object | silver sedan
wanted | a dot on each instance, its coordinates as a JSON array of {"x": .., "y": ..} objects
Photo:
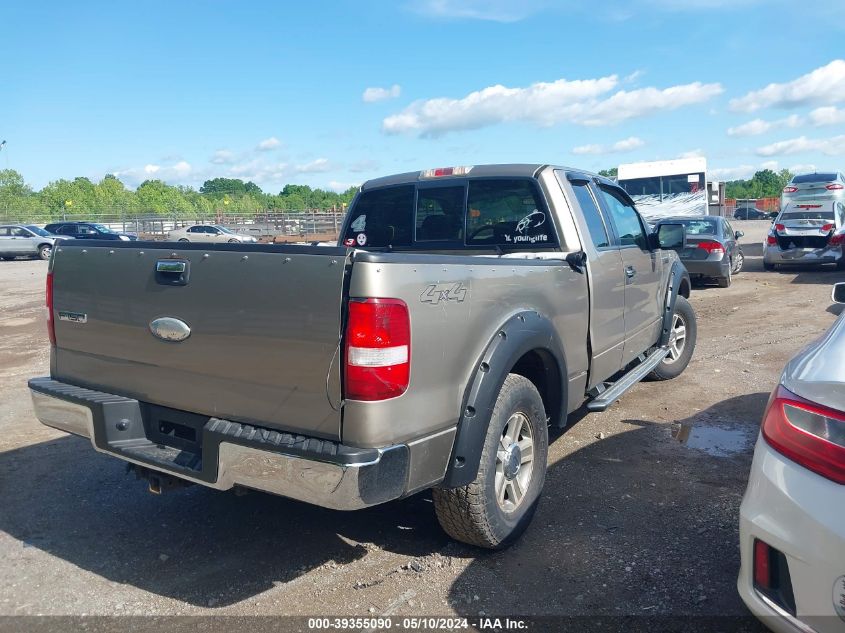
[{"x": 209, "y": 233}]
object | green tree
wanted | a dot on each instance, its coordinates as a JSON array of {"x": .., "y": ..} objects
[{"x": 609, "y": 173}]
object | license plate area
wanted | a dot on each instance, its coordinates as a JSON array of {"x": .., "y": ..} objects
[{"x": 176, "y": 429}]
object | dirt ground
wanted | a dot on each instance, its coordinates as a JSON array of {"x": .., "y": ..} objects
[{"x": 639, "y": 515}]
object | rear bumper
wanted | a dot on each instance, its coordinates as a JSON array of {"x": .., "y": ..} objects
[
  {"x": 228, "y": 454},
  {"x": 706, "y": 267},
  {"x": 802, "y": 515},
  {"x": 773, "y": 254}
]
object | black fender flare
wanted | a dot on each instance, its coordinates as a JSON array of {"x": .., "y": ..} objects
[
  {"x": 523, "y": 332},
  {"x": 678, "y": 279}
]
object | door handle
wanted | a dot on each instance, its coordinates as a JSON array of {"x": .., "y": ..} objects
[{"x": 630, "y": 272}]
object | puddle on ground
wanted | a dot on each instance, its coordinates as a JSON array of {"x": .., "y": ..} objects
[{"x": 713, "y": 440}]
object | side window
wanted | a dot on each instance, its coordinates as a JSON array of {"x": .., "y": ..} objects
[
  {"x": 507, "y": 212},
  {"x": 625, "y": 218},
  {"x": 20, "y": 233},
  {"x": 381, "y": 217},
  {"x": 83, "y": 229},
  {"x": 595, "y": 223},
  {"x": 194, "y": 229},
  {"x": 440, "y": 214},
  {"x": 4, "y": 232}
]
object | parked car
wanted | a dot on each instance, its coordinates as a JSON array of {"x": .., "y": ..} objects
[
  {"x": 88, "y": 231},
  {"x": 25, "y": 240},
  {"x": 750, "y": 213},
  {"x": 792, "y": 517},
  {"x": 816, "y": 187},
  {"x": 472, "y": 306},
  {"x": 807, "y": 233},
  {"x": 208, "y": 233},
  {"x": 711, "y": 249}
]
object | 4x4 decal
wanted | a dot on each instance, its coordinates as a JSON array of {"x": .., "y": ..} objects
[{"x": 435, "y": 293}]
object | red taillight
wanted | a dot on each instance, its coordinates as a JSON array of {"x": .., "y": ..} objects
[
  {"x": 711, "y": 247},
  {"x": 808, "y": 434},
  {"x": 762, "y": 568},
  {"x": 833, "y": 186},
  {"x": 378, "y": 349},
  {"x": 51, "y": 328},
  {"x": 828, "y": 227},
  {"x": 837, "y": 239},
  {"x": 790, "y": 189},
  {"x": 771, "y": 240},
  {"x": 780, "y": 227}
]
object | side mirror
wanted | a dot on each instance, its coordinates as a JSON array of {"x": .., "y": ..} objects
[
  {"x": 738, "y": 235},
  {"x": 671, "y": 236},
  {"x": 838, "y": 293}
]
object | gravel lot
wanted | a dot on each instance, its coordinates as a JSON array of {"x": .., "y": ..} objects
[{"x": 634, "y": 521}]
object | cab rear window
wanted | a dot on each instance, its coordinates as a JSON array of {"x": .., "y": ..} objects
[{"x": 508, "y": 213}]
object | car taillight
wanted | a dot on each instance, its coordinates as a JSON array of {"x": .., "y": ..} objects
[
  {"x": 378, "y": 349},
  {"x": 837, "y": 239},
  {"x": 762, "y": 568},
  {"x": 807, "y": 433},
  {"x": 711, "y": 247},
  {"x": 790, "y": 189},
  {"x": 780, "y": 227},
  {"x": 828, "y": 227},
  {"x": 833, "y": 186},
  {"x": 771, "y": 239},
  {"x": 51, "y": 328}
]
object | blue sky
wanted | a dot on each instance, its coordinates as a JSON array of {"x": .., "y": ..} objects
[{"x": 333, "y": 93}]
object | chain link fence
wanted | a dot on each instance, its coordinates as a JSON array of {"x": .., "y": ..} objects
[{"x": 307, "y": 224}]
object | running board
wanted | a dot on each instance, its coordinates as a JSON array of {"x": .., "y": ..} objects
[{"x": 615, "y": 391}]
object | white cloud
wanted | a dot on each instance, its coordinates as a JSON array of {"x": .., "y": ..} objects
[
  {"x": 222, "y": 157},
  {"x": 741, "y": 172},
  {"x": 759, "y": 126},
  {"x": 372, "y": 95},
  {"x": 827, "y": 115},
  {"x": 693, "y": 153},
  {"x": 577, "y": 101},
  {"x": 366, "y": 164},
  {"x": 314, "y": 167},
  {"x": 803, "y": 168},
  {"x": 268, "y": 144},
  {"x": 625, "y": 145},
  {"x": 831, "y": 146},
  {"x": 824, "y": 85},
  {"x": 339, "y": 187},
  {"x": 492, "y": 10},
  {"x": 177, "y": 172}
]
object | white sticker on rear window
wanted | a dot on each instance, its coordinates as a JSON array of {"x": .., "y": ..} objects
[
  {"x": 361, "y": 238},
  {"x": 359, "y": 224}
]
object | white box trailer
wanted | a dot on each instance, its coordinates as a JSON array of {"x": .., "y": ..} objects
[{"x": 667, "y": 187}]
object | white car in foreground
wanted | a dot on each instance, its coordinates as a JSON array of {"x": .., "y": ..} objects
[
  {"x": 208, "y": 233},
  {"x": 792, "y": 518}
]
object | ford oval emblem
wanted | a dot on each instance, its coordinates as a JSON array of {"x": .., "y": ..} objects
[{"x": 170, "y": 329}]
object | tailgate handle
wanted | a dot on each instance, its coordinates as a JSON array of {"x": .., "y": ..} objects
[
  {"x": 172, "y": 272},
  {"x": 170, "y": 266}
]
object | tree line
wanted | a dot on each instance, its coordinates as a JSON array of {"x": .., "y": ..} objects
[{"x": 82, "y": 197}]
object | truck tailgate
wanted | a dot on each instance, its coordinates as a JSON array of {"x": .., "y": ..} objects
[{"x": 265, "y": 324}]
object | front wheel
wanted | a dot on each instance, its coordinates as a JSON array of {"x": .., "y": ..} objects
[
  {"x": 44, "y": 251},
  {"x": 682, "y": 337},
  {"x": 496, "y": 508},
  {"x": 183, "y": 239}
]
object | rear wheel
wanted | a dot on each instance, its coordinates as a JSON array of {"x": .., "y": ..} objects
[
  {"x": 495, "y": 509},
  {"x": 682, "y": 338},
  {"x": 725, "y": 282},
  {"x": 183, "y": 239},
  {"x": 233, "y": 241}
]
